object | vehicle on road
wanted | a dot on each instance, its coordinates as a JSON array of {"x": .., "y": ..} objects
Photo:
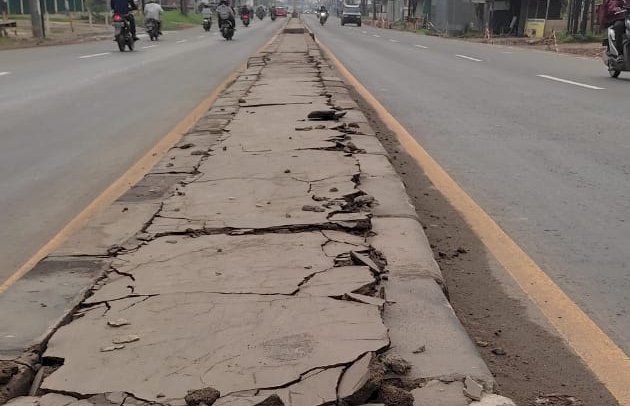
[
  {"x": 323, "y": 16},
  {"x": 152, "y": 28},
  {"x": 351, "y": 14},
  {"x": 227, "y": 29},
  {"x": 245, "y": 19},
  {"x": 122, "y": 33},
  {"x": 281, "y": 11},
  {"x": 260, "y": 12},
  {"x": 207, "y": 23},
  {"x": 618, "y": 62}
]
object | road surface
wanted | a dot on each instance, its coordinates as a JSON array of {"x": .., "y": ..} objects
[
  {"x": 74, "y": 118},
  {"x": 539, "y": 140}
]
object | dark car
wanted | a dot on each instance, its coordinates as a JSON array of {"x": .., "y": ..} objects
[{"x": 351, "y": 15}]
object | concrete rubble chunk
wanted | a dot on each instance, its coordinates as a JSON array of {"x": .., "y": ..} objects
[
  {"x": 257, "y": 342},
  {"x": 56, "y": 399},
  {"x": 439, "y": 393},
  {"x": 366, "y": 260},
  {"x": 472, "y": 388},
  {"x": 24, "y": 401},
  {"x": 338, "y": 281},
  {"x": 394, "y": 396},
  {"x": 205, "y": 396},
  {"x": 360, "y": 380},
  {"x": 273, "y": 400},
  {"x": 395, "y": 363},
  {"x": 376, "y": 301},
  {"x": 493, "y": 400},
  {"x": 318, "y": 387},
  {"x": 117, "y": 398}
]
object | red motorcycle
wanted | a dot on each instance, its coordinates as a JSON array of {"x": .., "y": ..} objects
[{"x": 245, "y": 19}]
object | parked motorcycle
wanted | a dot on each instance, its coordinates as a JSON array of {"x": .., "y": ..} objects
[
  {"x": 227, "y": 30},
  {"x": 323, "y": 16},
  {"x": 245, "y": 19},
  {"x": 122, "y": 33},
  {"x": 615, "y": 61},
  {"x": 152, "y": 27},
  {"x": 207, "y": 23}
]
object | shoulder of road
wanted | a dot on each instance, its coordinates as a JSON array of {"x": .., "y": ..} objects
[{"x": 272, "y": 256}]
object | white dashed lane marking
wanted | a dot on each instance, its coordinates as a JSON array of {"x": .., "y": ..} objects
[
  {"x": 570, "y": 82},
  {"x": 470, "y": 58},
  {"x": 94, "y": 55}
]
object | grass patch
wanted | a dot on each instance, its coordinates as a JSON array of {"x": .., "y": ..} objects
[
  {"x": 566, "y": 38},
  {"x": 174, "y": 20}
]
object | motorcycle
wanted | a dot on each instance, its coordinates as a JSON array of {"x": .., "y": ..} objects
[
  {"x": 152, "y": 29},
  {"x": 122, "y": 33},
  {"x": 207, "y": 23},
  {"x": 323, "y": 16},
  {"x": 273, "y": 16},
  {"x": 227, "y": 30},
  {"x": 260, "y": 13},
  {"x": 245, "y": 19},
  {"x": 618, "y": 63}
]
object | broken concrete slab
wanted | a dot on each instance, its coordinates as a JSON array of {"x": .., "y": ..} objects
[
  {"x": 260, "y": 264},
  {"x": 439, "y": 393},
  {"x": 44, "y": 296},
  {"x": 406, "y": 248},
  {"x": 376, "y": 301},
  {"x": 493, "y": 400},
  {"x": 338, "y": 281},
  {"x": 304, "y": 166},
  {"x": 360, "y": 380},
  {"x": 57, "y": 399},
  {"x": 415, "y": 303},
  {"x": 318, "y": 387},
  {"x": 257, "y": 341},
  {"x": 242, "y": 203},
  {"x": 472, "y": 388},
  {"x": 112, "y": 226},
  {"x": 375, "y": 165}
]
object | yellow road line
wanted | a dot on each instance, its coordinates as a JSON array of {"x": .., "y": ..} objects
[
  {"x": 607, "y": 361},
  {"x": 132, "y": 176}
]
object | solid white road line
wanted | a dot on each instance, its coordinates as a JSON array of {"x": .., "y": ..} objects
[
  {"x": 4, "y": 73},
  {"x": 470, "y": 58},
  {"x": 94, "y": 55},
  {"x": 570, "y": 82},
  {"x": 420, "y": 46},
  {"x": 181, "y": 41}
]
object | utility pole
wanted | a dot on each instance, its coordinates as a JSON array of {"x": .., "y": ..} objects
[{"x": 36, "y": 18}]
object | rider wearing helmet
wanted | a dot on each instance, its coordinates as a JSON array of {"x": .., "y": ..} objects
[
  {"x": 153, "y": 11},
  {"x": 225, "y": 12},
  {"x": 124, "y": 9}
]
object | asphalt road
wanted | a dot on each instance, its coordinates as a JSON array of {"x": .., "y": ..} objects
[
  {"x": 539, "y": 140},
  {"x": 74, "y": 118}
]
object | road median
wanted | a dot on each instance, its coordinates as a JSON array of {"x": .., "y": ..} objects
[{"x": 272, "y": 257}]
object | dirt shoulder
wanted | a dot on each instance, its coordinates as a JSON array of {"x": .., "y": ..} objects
[{"x": 587, "y": 49}]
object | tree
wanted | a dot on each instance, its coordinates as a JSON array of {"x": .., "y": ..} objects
[{"x": 183, "y": 5}]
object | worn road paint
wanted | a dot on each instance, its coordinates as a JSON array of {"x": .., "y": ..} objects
[
  {"x": 570, "y": 82},
  {"x": 420, "y": 46},
  {"x": 132, "y": 176},
  {"x": 376, "y": 36},
  {"x": 470, "y": 58},
  {"x": 393, "y": 40},
  {"x": 149, "y": 46},
  {"x": 598, "y": 351},
  {"x": 181, "y": 41},
  {"x": 4, "y": 73},
  {"x": 94, "y": 55}
]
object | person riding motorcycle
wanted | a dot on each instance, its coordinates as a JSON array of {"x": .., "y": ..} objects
[
  {"x": 206, "y": 11},
  {"x": 124, "y": 8},
  {"x": 244, "y": 11},
  {"x": 154, "y": 11},
  {"x": 323, "y": 10},
  {"x": 225, "y": 12},
  {"x": 615, "y": 17}
]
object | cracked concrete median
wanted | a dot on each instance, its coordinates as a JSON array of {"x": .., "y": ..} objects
[{"x": 268, "y": 259}]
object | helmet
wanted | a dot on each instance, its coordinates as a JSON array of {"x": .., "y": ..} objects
[{"x": 223, "y": 2}]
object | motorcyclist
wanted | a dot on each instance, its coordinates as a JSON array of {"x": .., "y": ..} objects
[
  {"x": 322, "y": 10},
  {"x": 225, "y": 12},
  {"x": 154, "y": 11},
  {"x": 125, "y": 8},
  {"x": 206, "y": 11},
  {"x": 615, "y": 17},
  {"x": 244, "y": 12}
]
